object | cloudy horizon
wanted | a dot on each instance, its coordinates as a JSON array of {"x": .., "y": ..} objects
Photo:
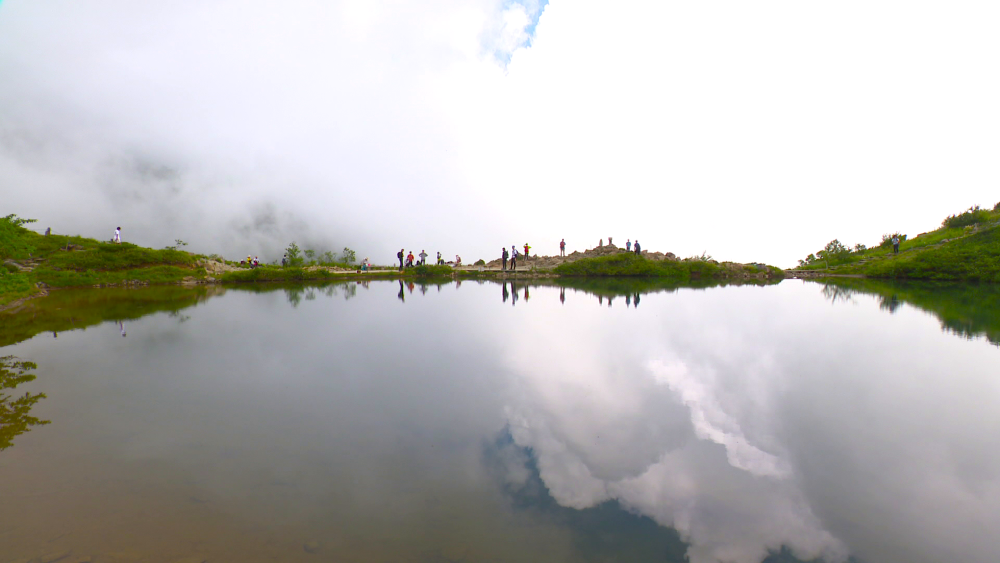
[{"x": 750, "y": 132}]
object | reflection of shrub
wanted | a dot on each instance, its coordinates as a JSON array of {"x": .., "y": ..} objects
[
  {"x": 972, "y": 216},
  {"x": 14, "y": 418},
  {"x": 423, "y": 271}
]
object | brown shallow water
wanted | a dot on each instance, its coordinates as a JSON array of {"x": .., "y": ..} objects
[{"x": 446, "y": 424}]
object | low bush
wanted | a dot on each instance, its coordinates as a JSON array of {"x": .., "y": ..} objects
[
  {"x": 972, "y": 216},
  {"x": 14, "y": 238},
  {"x": 431, "y": 270}
]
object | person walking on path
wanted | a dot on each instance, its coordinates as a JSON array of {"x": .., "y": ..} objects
[
  {"x": 895, "y": 244},
  {"x": 513, "y": 257},
  {"x": 628, "y": 245},
  {"x": 423, "y": 257},
  {"x": 118, "y": 236},
  {"x": 526, "y": 249},
  {"x": 636, "y": 246},
  {"x": 400, "y": 256},
  {"x": 503, "y": 258},
  {"x": 562, "y": 247}
]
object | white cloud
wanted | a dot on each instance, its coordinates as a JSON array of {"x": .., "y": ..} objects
[{"x": 755, "y": 132}]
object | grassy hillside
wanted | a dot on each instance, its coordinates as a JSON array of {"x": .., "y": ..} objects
[
  {"x": 965, "y": 248},
  {"x": 30, "y": 259}
]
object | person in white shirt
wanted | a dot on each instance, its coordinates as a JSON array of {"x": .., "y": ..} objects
[{"x": 118, "y": 236}]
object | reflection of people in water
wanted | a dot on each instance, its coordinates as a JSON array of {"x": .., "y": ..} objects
[
  {"x": 505, "y": 294},
  {"x": 628, "y": 300},
  {"x": 600, "y": 299},
  {"x": 402, "y": 294},
  {"x": 513, "y": 294},
  {"x": 562, "y": 295},
  {"x": 635, "y": 300},
  {"x": 458, "y": 284},
  {"x": 122, "y": 326},
  {"x": 423, "y": 289},
  {"x": 609, "y": 301},
  {"x": 526, "y": 296},
  {"x": 410, "y": 286}
]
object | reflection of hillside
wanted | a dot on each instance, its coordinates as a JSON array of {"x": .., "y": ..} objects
[
  {"x": 14, "y": 417},
  {"x": 71, "y": 309},
  {"x": 610, "y": 287},
  {"x": 966, "y": 309}
]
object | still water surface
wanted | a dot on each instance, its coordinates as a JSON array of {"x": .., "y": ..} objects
[{"x": 485, "y": 422}]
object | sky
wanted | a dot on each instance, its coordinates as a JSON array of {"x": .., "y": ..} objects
[{"x": 750, "y": 131}]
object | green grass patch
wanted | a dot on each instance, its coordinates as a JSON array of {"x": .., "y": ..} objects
[
  {"x": 275, "y": 274},
  {"x": 14, "y": 286},
  {"x": 123, "y": 256},
  {"x": 628, "y": 264}
]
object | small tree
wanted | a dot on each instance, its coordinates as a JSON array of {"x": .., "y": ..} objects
[
  {"x": 294, "y": 254},
  {"x": 347, "y": 256},
  {"x": 834, "y": 251},
  {"x": 328, "y": 257},
  {"x": 311, "y": 255}
]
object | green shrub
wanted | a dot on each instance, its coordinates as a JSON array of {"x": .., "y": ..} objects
[
  {"x": 14, "y": 285},
  {"x": 972, "y": 216},
  {"x": 431, "y": 270},
  {"x": 14, "y": 237}
]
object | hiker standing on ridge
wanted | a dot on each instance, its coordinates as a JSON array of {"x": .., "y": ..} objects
[
  {"x": 526, "y": 249},
  {"x": 628, "y": 245},
  {"x": 440, "y": 260},
  {"x": 503, "y": 259},
  {"x": 400, "y": 256},
  {"x": 118, "y": 236},
  {"x": 423, "y": 257},
  {"x": 895, "y": 244},
  {"x": 513, "y": 257},
  {"x": 636, "y": 246},
  {"x": 562, "y": 247}
]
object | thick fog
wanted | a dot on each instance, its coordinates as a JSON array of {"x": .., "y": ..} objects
[{"x": 750, "y": 132}]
